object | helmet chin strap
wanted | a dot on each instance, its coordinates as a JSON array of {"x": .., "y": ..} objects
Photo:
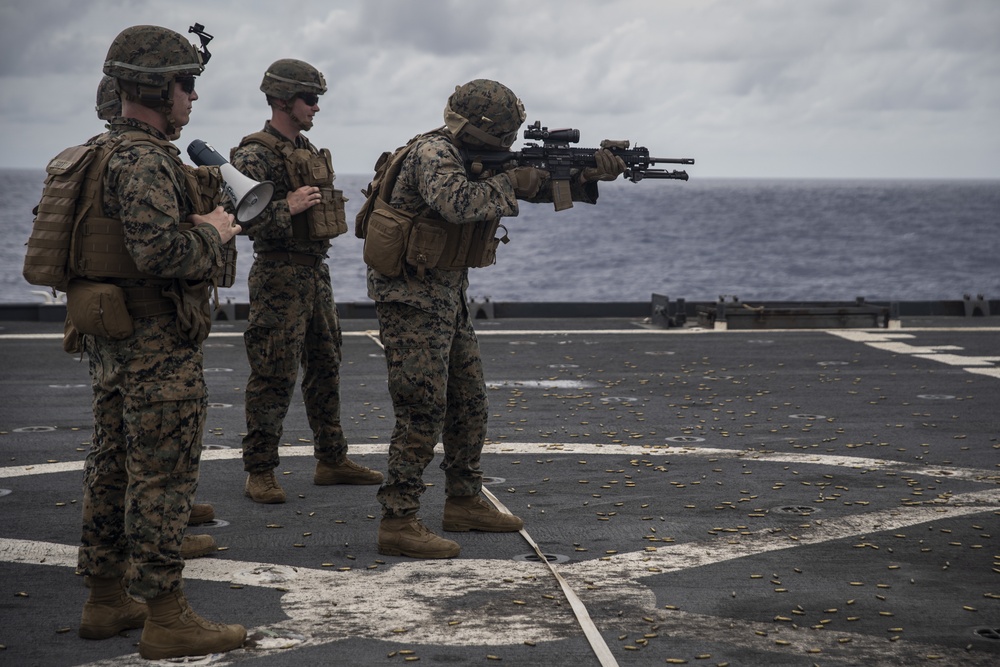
[
  {"x": 172, "y": 131},
  {"x": 303, "y": 124},
  {"x": 461, "y": 127}
]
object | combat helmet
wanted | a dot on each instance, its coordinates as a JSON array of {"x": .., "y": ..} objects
[
  {"x": 286, "y": 78},
  {"x": 109, "y": 104},
  {"x": 484, "y": 113},
  {"x": 145, "y": 60}
]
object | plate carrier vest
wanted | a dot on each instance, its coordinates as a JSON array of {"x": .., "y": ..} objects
[{"x": 431, "y": 242}]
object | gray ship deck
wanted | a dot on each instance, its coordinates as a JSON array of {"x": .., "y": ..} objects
[{"x": 744, "y": 498}]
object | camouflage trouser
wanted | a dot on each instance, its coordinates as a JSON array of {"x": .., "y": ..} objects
[
  {"x": 293, "y": 321},
  {"x": 142, "y": 470},
  {"x": 437, "y": 389}
]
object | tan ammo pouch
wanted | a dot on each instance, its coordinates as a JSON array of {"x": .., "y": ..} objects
[
  {"x": 326, "y": 219},
  {"x": 426, "y": 243},
  {"x": 98, "y": 309},
  {"x": 436, "y": 244},
  {"x": 386, "y": 240},
  {"x": 475, "y": 246}
]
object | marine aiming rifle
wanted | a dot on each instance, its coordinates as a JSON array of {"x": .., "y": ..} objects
[{"x": 556, "y": 156}]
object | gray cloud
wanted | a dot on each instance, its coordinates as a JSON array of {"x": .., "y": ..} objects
[{"x": 748, "y": 87}]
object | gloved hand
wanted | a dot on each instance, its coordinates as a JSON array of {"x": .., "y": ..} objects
[
  {"x": 526, "y": 181},
  {"x": 609, "y": 167}
]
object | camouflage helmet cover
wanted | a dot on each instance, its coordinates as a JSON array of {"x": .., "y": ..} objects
[
  {"x": 152, "y": 56},
  {"x": 484, "y": 112},
  {"x": 286, "y": 78},
  {"x": 109, "y": 104}
]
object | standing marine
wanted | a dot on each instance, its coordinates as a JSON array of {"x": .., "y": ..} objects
[
  {"x": 433, "y": 220},
  {"x": 109, "y": 107},
  {"x": 141, "y": 306},
  {"x": 293, "y": 319}
]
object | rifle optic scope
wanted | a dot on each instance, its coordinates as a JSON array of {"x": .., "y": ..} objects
[{"x": 537, "y": 132}]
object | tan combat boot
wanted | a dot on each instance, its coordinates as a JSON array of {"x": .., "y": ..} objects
[
  {"x": 407, "y": 536},
  {"x": 347, "y": 472},
  {"x": 262, "y": 487},
  {"x": 464, "y": 513},
  {"x": 196, "y": 546},
  {"x": 109, "y": 610},
  {"x": 201, "y": 513},
  {"x": 174, "y": 630}
]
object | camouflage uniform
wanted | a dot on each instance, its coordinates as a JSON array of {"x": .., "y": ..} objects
[
  {"x": 434, "y": 365},
  {"x": 138, "y": 489},
  {"x": 293, "y": 320}
]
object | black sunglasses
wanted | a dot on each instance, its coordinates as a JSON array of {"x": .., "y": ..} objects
[
  {"x": 187, "y": 83},
  {"x": 311, "y": 99}
]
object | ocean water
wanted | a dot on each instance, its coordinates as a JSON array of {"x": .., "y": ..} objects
[{"x": 799, "y": 240}]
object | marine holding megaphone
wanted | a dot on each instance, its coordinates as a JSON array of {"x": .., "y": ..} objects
[
  {"x": 139, "y": 297},
  {"x": 292, "y": 311}
]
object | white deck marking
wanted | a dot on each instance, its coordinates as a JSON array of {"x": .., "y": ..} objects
[
  {"x": 639, "y": 331},
  {"x": 415, "y": 596},
  {"x": 837, "y": 461},
  {"x": 413, "y": 601},
  {"x": 889, "y": 342}
]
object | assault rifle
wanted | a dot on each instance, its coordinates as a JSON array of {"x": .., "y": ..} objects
[{"x": 556, "y": 156}]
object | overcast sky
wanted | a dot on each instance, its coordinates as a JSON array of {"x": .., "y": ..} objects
[{"x": 749, "y": 88}]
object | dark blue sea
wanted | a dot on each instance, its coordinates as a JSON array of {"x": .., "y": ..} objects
[{"x": 799, "y": 240}]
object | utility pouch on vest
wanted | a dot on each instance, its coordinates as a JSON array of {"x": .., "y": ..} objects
[
  {"x": 326, "y": 219},
  {"x": 47, "y": 259},
  {"x": 385, "y": 242},
  {"x": 425, "y": 244},
  {"x": 98, "y": 309},
  {"x": 470, "y": 246},
  {"x": 489, "y": 244}
]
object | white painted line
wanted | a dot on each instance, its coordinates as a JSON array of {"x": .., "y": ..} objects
[
  {"x": 327, "y": 606},
  {"x": 888, "y": 343},
  {"x": 380, "y": 602},
  {"x": 636, "y": 451},
  {"x": 990, "y": 372},
  {"x": 850, "y": 334},
  {"x": 959, "y": 360},
  {"x": 541, "y": 384},
  {"x": 906, "y": 348},
  {"x": 594, "y": 637},
  {"x": 730, "y": 547}
]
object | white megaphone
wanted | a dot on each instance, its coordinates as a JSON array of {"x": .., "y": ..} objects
[{"x": 249, "y": 197}]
